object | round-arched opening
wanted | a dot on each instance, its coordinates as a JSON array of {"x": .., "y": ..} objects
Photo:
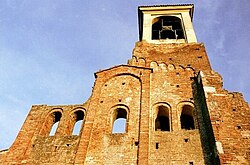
[
  {"x": 56, "y": 117},
  {"x": 162, "y": 122},
  {"x": 120, "y": 121},
  {"x": 167, "y": 27},
  {"x": 187, "y": 119},
  {"x": 79, "y": 116}
]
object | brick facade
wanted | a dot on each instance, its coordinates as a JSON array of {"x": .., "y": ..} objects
[{"x": 161, "y": 81}]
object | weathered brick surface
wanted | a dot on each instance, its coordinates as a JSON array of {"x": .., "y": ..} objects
[
  {"x": 161, "y": 81},
  {"x": 157, "y": 75},
  {"x": 229, "y": 115},
  {"x": 33, "y": 145}
]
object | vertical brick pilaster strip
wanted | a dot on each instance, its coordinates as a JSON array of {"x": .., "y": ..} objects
[
  {"x": 88, "y": 125},
  {"x": 144, "y": 120},
  {"x": 86, "y": 134}
]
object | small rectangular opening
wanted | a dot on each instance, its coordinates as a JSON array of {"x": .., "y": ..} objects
[
  {"x": 156, "y": 145},
  {"x": 191, "y": 163},
  {"x": 136, "y": 143}
]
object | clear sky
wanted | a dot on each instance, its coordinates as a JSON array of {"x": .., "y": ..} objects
[{"x": 50, "y": 49}]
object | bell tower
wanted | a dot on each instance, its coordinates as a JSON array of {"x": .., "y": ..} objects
[
  {"x": 166, "y": 24},
  {"x": 172, "y": 105}
]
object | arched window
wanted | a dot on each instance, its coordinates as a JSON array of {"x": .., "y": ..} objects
[
  {"x": 78, "y": 117},
  {"x": 120, "y": 121},
  {"x": 187, "y": 120},
  {"x": 162, "y": 122},
  {"x": 167, "y": 27},
  {"x": 54, "y": 122}
]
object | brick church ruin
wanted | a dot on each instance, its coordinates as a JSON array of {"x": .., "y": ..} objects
[{"x": 167, "y": 99}]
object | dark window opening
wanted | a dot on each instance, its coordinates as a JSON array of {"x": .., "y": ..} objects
[
  {"x": 191, "y": 163},
  {"x": 156, "y": 145},
  {"x": 167, "y": 27},
  {"x": 56, "y": 118},
  {"x": 120, "y": 121},
  {"x": 136, "y": 143},
  {"x": 187, "y": 120},
  {"x": 162, "y": 120},
  {"x": 79, "y": 116}
]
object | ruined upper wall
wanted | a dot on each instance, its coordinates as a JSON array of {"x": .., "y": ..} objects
[
  {"x": 229, "y": 116},
  {"x": 34, "y": 143}
]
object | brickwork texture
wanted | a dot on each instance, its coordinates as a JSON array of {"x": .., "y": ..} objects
[{"x": 174, "y": 111}]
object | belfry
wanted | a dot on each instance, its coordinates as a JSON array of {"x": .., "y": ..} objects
[{"x": 169, "y": 105}]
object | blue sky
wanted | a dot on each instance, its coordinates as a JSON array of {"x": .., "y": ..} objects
[{"x": 50, "y": 49}]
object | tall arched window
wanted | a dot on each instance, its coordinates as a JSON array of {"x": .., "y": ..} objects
[
  {"x": 167, "y": 27},
  {"x": 162, "y": 122},
  {"x": 187, "y": 119},
  {"x": 54, "y": 122},
  {"x": 119, "y": 121},
  {"x": 78, "y": 117}
]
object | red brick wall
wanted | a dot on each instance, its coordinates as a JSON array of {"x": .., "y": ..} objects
[{"x": 157, "y": 75}]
